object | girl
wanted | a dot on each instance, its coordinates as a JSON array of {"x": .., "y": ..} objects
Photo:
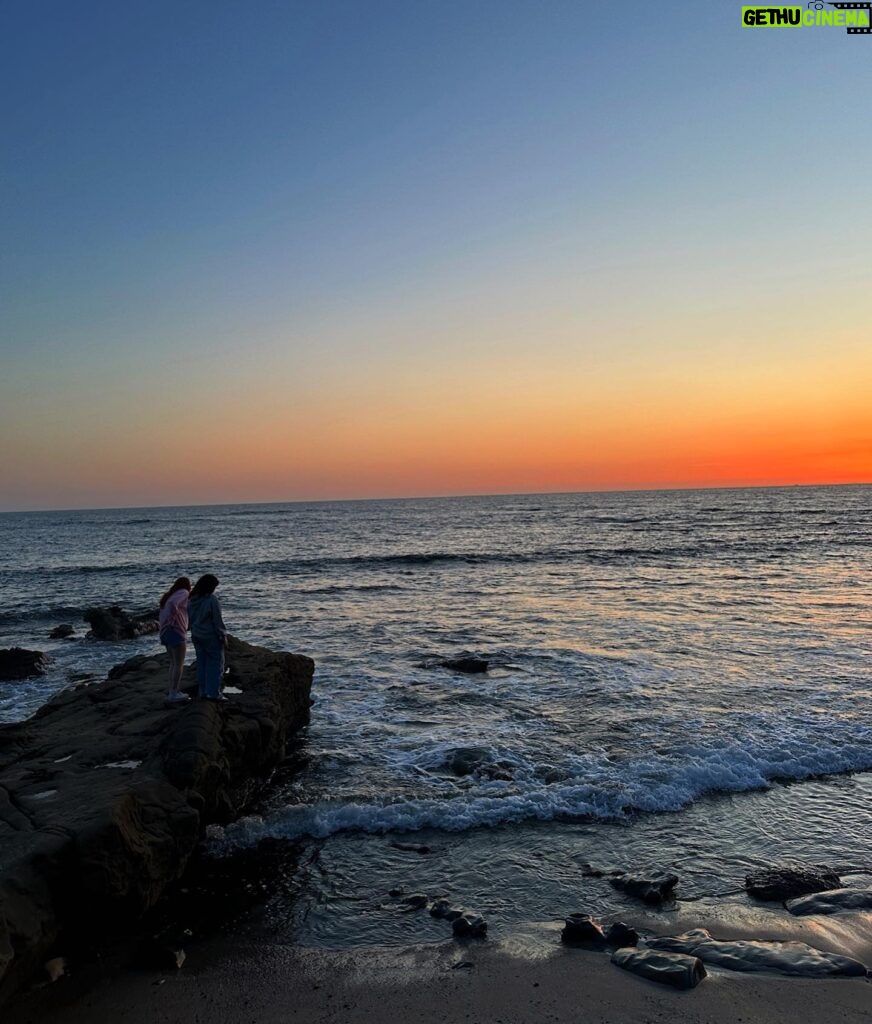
[
  {"x": 173, "y": 621},
  {"x": 209, "y": 636}
]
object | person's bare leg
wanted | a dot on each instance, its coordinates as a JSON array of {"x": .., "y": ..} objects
[{"x": 177, "y": 665}]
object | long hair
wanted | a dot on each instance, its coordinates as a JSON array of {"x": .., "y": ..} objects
[
  {"x": 182, "y": 583},
  {"x": 205, "y": 585}
]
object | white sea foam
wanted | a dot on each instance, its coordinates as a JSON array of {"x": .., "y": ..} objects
[{"x": 605, "y": 790}]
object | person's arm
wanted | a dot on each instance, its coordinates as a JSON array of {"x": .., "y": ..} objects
[{"x": 218, "y": 621}]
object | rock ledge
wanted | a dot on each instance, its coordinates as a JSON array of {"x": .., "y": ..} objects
[{"x": 105, "y": 792}]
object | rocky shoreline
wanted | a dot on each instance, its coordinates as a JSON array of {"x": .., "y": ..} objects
[{"x": 105, "y": 792}]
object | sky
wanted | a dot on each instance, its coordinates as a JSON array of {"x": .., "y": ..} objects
[{"x": 294, "y": 250}]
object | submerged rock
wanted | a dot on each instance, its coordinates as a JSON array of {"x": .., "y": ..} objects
[
  {"x": 583, "y": 929},
  {"x": 412, "y": 847},
  {"x": 417, "y": 901},
  {"x": 20, "y": 663},
  {"x": 61, "y": 632},
  {"x": 833, "y": 902},
  {"x": 793, "y": 958},
  {"x": 469, "y": 926},
  {"x": 676, "y": 969},
  {"x": 104, "y": 793},
  {"x": 470, "y": 665},
  {"x": 785, "y": 881},
  {"x": 466, "y": 760},
  {"x": 114, "y": 623},
  {"x": 650, "y": 888}
]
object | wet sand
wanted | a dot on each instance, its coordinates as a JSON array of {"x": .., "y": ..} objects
[{"x": 226, "y": 982}]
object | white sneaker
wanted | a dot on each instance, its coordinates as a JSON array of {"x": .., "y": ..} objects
[{"x": 177, "y": 698}]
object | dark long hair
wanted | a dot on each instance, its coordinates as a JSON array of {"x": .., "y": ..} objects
[
  {"x": 182, "y": 583},
  {"x": 205, "y": 585}
]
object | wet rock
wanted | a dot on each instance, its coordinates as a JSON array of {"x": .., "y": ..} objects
[
  {"x": 20, "y": 663},
  {"x": 466, "y": 760},
  {"x": 114, "y": 623},
  {"x": 469, "y": 926},
  {"x": 445, "y": 911},
  {"x": 589, "y": 871},
  {"x": 55, "y": 968},
  {"x": 650, "y": 888},
  {"x": 582, "y": 928},
  {"x": 620, "y": 935},
  {"x": 468, "y": 664},
  {"x": 786, "y": 881},
  {"x": 61, "y": 632},
  {"x": 413, "y": 847},
  {"x": 676, "y": 969},
  {"x": 86, "y": 842},
  {"x": 417, "y": 901},
  {"x": 833, "y": 902},
  {"x": 792, "y": 958}
]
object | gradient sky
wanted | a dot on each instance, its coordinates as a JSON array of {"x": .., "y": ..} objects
[{"x": 267, "y": 251}]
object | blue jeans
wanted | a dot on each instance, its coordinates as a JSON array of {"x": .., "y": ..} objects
[{"x": 210, "y": 666}]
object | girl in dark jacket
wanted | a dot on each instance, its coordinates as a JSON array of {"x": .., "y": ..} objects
[{"x": 209, "y": 636}]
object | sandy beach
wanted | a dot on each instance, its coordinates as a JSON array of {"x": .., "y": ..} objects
[{"x": 228, "y": 983}]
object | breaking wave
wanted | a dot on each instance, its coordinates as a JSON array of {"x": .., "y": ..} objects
[{"x": 608, "y": 789}]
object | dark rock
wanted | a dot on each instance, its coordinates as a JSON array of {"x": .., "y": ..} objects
[
  {"x": 650, "y": 888},
  {"x": 792, "y": 958},
  {"x": 417, "y": 901},
  {"x": 443, "y": 909},
  {"x": 470, "y": 665},
  {"x": 469, "y": 926},
  {"x": 675, "y": 969},
  {"x": 61, "y": 632},
  {"x": 20, "y": 663},
  {"x": 412, "y": 847},
  {"x": 620, "y": 935},
  {"x": 786, "y": 881},
  {"x": 589, "y": 871},
  {"x": 104, "y": 793},
  {"x": 833, "y": 902},
  {"x": 582, "y": 928},
  {"x": 114, "y": 623},
  {"x": 466, "y": 760}
]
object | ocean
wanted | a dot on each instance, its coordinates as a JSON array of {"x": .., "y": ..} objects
[{"x": 677, "y": 680}]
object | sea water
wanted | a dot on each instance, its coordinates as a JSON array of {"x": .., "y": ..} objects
[{"x": 677, "y": 680}]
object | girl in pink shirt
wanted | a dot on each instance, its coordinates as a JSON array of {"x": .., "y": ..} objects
[{"x": 173, "y": 621}]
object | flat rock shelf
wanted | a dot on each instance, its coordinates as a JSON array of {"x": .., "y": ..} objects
[{"x": 105, "y": 791}]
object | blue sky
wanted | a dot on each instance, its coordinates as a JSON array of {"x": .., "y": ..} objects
[{"x": 196, "y": 195}]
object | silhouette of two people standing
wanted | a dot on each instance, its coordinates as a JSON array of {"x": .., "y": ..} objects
[{"x": 198, "y": 609}]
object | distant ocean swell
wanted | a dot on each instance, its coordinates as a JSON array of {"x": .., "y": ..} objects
[{"x": 719, "y": 551}]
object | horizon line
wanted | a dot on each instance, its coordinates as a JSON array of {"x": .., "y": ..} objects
[{"x": 437, "y": 497}]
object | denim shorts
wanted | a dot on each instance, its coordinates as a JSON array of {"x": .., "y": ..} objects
[{"x": 170, "y": 637}]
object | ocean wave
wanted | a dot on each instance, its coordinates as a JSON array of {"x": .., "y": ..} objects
[
  {"x": 609, "y": 790},
  {"x": 44, "y": 613},
  {"x": 337, "y": 588}
]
